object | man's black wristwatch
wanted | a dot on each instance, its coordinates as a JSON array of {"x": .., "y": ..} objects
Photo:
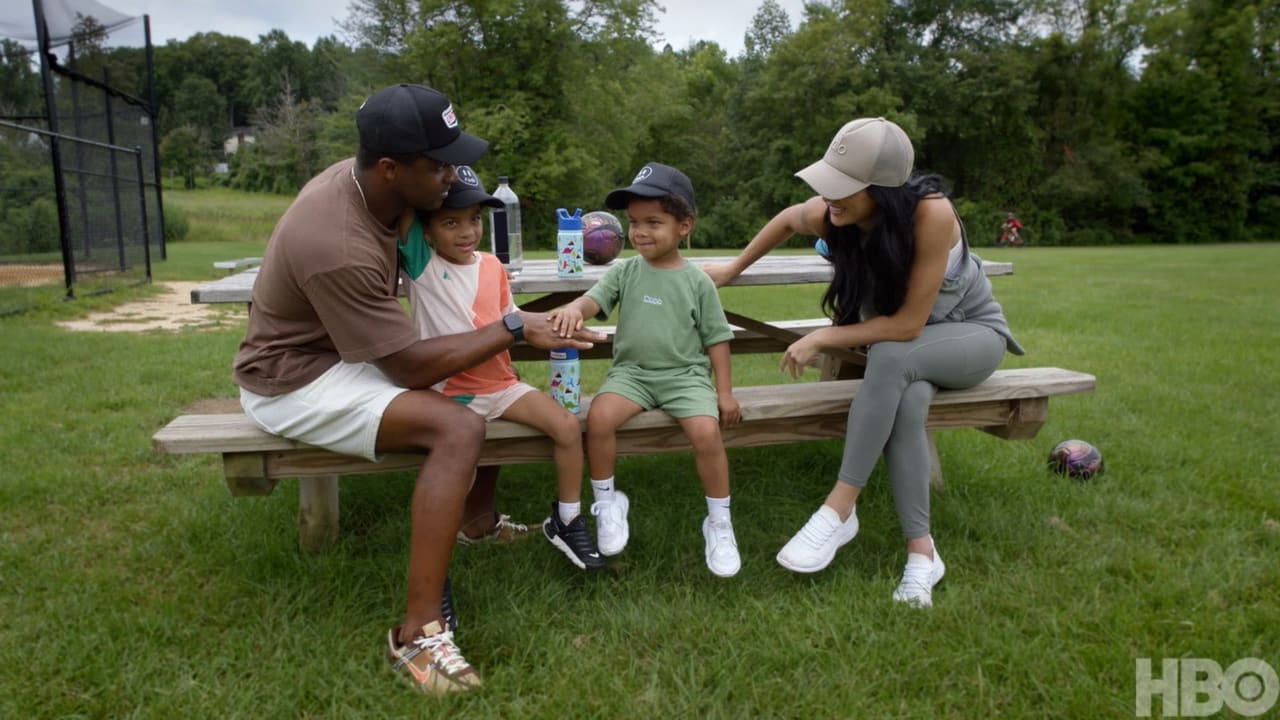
[{"x": 514, "y": 323}]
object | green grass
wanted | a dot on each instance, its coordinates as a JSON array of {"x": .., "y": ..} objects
[{"x": 133, "y": 585}]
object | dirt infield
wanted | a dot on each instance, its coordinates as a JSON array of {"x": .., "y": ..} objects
[
  {"x": 30, "y": 275},
  {"x": 171, "y": 311}
]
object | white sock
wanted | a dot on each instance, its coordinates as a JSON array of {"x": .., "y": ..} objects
[
  {"x": 568, "y": 511},
  {"x": 603, "y": 489},
  {"x": 718, "y": 509}
]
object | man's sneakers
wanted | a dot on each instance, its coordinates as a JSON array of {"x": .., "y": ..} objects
[
  {"x": 573, "y": 539},
  {"x": 918, "y": 579},
  {"x": 815, "y": 546},
  {"x": 721, "y": 548},
  {"x": 431, "y": 662},
  {"x": 504, "y": 531},
  {"x": 611, "y": 523}
]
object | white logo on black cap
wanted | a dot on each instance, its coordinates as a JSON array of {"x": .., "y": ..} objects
[
  {"x": 467, "y": 176},
  {"x": 450, "y": 120},
  {"x": 645, "y": 172}
]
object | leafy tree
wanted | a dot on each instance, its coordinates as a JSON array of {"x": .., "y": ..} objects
[
  {"x": 20, "y": 89},
  {"x": 183, "y": 151},
  {"x": 286, "y": 153},
  {"x": 769, "y": 26},
  {"x": 199, "y": 109}
]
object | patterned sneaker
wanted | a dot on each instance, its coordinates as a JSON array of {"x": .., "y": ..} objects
[
  {"x": 721, "y": 548},
  {"x": 504, "y": 531},
  {"x": 431, "y": 662},
  {"x": 815, "y": 546},
  {"x": 612, "y": 532},
  {"x": 446, "y": 607},
  {"x": 572, "y": 539},
  {"x": 918, "y": 579}
]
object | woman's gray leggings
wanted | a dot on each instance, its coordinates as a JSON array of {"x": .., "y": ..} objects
[{"x": 899, "y": 384}]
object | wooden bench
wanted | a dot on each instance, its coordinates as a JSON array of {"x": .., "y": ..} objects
[
  {"x": 232, "y": 266},
  {"x": 1011, "y": 404}
]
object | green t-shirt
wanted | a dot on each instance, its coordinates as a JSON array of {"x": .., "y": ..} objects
[{"x": 666, "y": 318}]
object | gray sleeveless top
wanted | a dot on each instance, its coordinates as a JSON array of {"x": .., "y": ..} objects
[{"x": 965, "y": 296}]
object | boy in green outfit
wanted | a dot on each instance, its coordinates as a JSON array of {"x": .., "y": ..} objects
[{"x": 672, "y": 338}]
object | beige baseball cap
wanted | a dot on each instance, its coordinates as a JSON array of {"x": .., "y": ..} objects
[{"x": 866, "y": 151}]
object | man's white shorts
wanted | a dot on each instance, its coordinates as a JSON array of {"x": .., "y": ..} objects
[{"x": 339, "y": 411}]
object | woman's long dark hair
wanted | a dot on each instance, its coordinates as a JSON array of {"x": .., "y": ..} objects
[{"x": 873, "y": 266}]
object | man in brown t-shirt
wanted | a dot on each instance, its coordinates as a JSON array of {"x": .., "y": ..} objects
[{"x": 330, "y": 357}]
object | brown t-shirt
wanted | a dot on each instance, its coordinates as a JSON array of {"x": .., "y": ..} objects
[{"x": 326, "y": 290}]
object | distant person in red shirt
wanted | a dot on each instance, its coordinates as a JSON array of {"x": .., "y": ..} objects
[{"x": 1009, "y": 232}]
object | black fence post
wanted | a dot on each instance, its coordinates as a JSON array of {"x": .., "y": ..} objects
[
  {"x": 115, "y": 172},
  {"x": 51, "y": 108},
  {"x": 142, "y": 202},
  {"x": 154, "y": 118}
]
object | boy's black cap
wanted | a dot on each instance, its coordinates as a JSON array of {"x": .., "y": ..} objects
[
  {"x": 409, "y": 119},
  {"x": 467, "y": 191},
  {"x": 653, "y": 181}
]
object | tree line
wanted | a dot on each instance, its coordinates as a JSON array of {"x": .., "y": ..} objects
[{"x": 1096, "y": 121}]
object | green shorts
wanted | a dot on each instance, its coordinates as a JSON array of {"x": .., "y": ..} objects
[{"x": 680, "y": 392}]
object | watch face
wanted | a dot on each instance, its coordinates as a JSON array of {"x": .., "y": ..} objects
[{"x": 514, "y": 324}]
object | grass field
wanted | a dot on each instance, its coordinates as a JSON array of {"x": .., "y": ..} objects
[{"x": 132, "y": 585}]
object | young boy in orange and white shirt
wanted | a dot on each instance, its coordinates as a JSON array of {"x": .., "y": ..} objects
[{"x": 455, "y": 288}]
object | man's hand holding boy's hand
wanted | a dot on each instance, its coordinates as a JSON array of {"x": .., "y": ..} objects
[{"x": 541, "y": 331}]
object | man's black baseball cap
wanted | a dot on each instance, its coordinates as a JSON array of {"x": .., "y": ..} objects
[
  {"x": 415, "y": 120},
  {"x": 653, "y": 181}
]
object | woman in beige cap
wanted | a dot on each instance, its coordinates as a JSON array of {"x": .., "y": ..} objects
[{"x": 907, "y": 287}]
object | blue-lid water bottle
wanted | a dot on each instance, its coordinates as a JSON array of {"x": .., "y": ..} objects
[
  {"x": 566, "y": 379},
  {"x": 569, "y": 243}
]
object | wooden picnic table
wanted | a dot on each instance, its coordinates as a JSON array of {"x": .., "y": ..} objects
[
  {"x": 539, "y": 277},
  {"x": 1013, "y": 404}
]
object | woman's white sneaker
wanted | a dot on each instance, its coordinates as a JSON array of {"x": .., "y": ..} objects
[
  {"x": 918, "y": 579},
  {"x": 815, "y": 546}
]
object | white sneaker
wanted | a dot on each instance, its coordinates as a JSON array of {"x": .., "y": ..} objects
[
  {"x": 815, "y": 546},
  {"x": 612, "y": 532},
  {"x": 721, "y": 549},
  {"x": 918, "y": 579}
]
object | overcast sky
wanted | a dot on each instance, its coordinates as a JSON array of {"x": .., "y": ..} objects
[{"x": 724, "y": 21}]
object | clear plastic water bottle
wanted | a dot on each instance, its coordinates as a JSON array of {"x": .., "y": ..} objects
[
  {"x": 505, "y": 239},
  {"x": 566, "y": 376},
  {"x": 569, "y": 243}
]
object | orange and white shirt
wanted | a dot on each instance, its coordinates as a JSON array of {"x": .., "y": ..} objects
[{"x": 447, "y": 299}]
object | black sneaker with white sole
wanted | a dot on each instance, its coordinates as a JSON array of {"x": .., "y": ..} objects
[
  {"x": 446, "y": 607},
  {"x": 573, "y": 539}
]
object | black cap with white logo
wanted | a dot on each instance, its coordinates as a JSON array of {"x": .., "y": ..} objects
[
  {"x": 467, "y": 192},
  {"x": 653, "y": 181}
]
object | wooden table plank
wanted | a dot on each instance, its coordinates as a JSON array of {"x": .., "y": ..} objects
[{"x": 539, "y": 276}]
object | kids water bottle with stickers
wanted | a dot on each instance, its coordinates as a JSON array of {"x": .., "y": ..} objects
[
  {"x": 565, "y": 379},
  {"x": 569, "y": 243}
]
